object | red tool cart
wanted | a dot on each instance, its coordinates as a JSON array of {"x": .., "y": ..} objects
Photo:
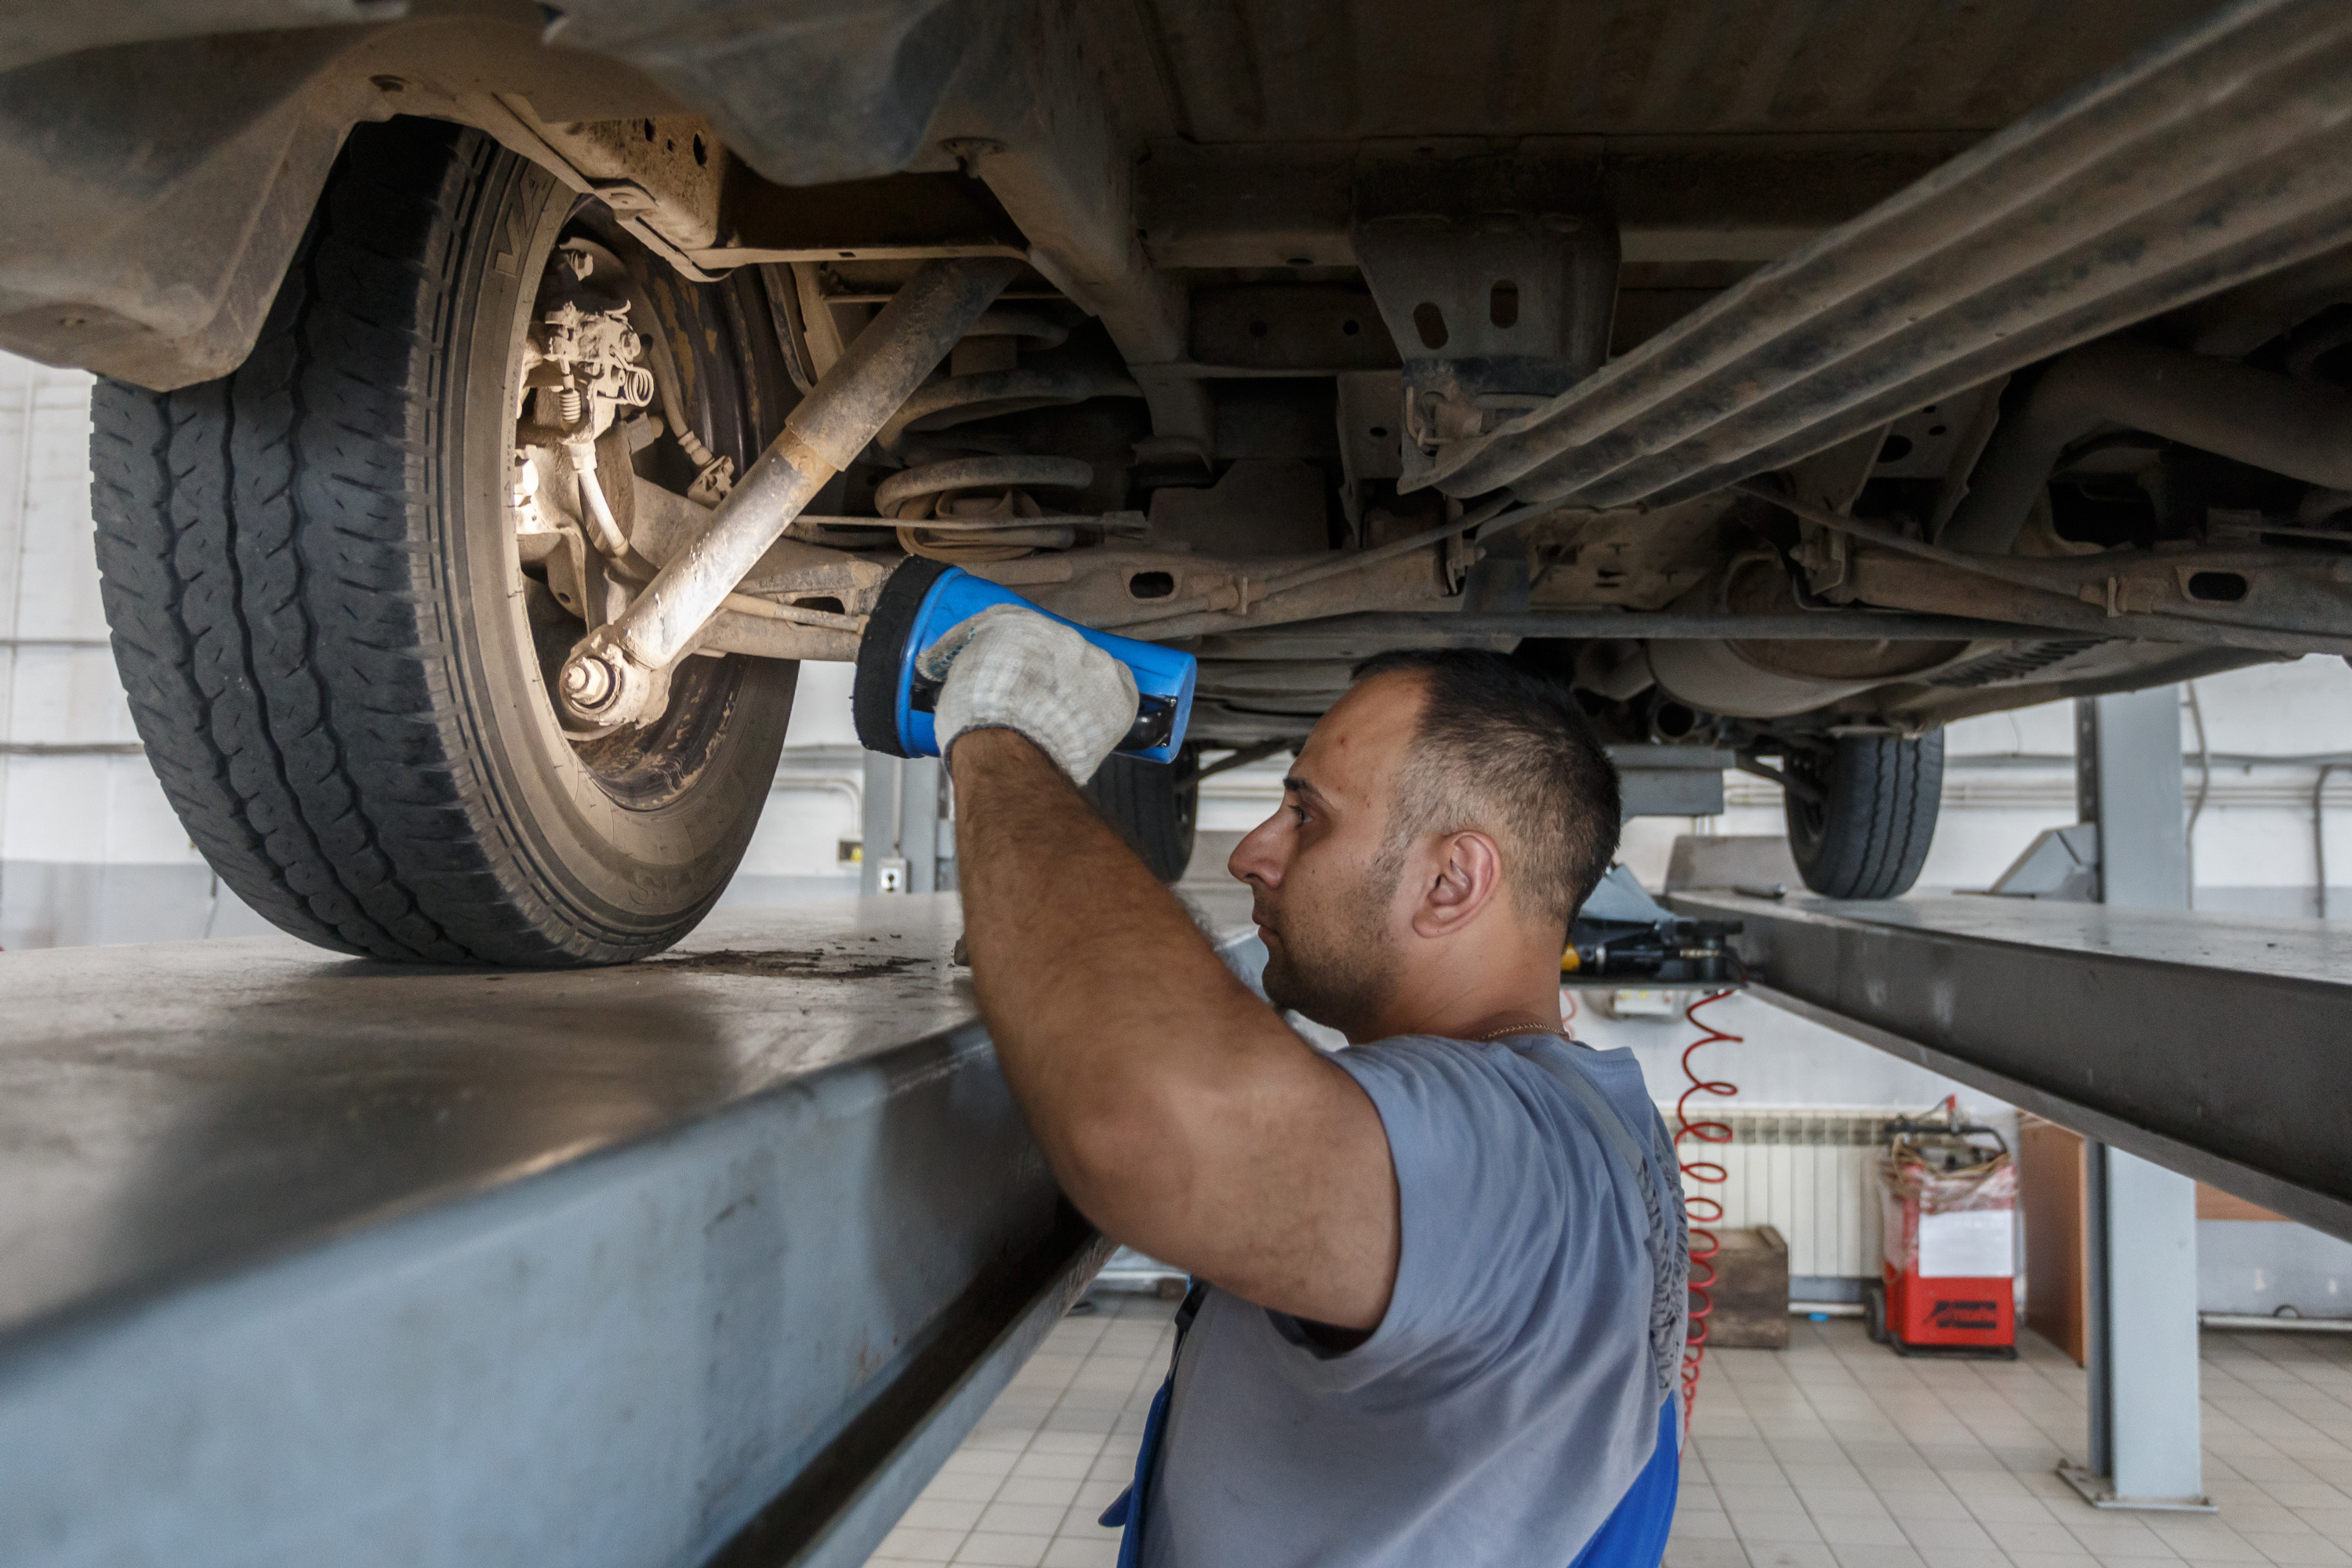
[{"x": 1948, "y": 1192}]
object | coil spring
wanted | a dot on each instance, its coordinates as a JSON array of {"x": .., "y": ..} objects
[
  {"x": 1704, "y": 1211},
  {"x": 957, "y": 501}
]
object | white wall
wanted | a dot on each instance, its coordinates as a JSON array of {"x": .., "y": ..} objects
[{"x": 88, "y": 848}]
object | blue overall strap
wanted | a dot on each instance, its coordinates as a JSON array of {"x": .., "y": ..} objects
[
  {"x": 1634, "y": 1533},
  {"x": 1127, "y": 1509}
]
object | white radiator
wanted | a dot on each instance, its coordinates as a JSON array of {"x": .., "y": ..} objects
[{"x": 1810, "y": 1174}]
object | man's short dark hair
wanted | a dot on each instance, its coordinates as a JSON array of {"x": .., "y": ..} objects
[{"x": 1501, "y": 749}]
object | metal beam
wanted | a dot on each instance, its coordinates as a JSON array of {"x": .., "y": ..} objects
[
  {"x": 2128, "y": 779},
  {"x": 2214, "y": 1044},
  {"x": 1603, "y": 621},
  {"x": 714, "y": 1257},
  {"x": 2212, "y": 159},
  {"x": 1676, "y": 199}
]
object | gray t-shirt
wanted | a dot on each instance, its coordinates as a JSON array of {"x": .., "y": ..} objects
[{"x": 1510, "y": 1396}]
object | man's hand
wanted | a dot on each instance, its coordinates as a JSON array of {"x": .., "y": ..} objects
[
  {"x": 1011, "y": 668},
  {"x": 1179, "y": 1112}
]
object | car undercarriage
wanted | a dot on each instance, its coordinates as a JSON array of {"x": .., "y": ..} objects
[{"x": 500, "y": 399}]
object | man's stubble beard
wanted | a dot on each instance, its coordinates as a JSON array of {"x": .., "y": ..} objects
[{"x": 1337, "y": 972}]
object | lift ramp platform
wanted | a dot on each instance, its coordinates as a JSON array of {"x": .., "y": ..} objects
[
  {"x": 709, "y": 1259},
  {"x": 2216, "y": 1045}
]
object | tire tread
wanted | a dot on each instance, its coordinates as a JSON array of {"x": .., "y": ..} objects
[
  {"x": 1883, "y": 794},
  {"x": 274, "y": 611},
  {"x": 1140, "y": 801}
]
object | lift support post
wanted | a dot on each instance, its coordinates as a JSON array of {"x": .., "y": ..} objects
[
  {"x": 909, "y": 845},
  {"x": 2146, "y": 1439}
]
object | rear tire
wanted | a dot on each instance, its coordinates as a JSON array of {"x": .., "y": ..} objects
[
  {"x": 1874, "y": 1312},
  {"x": 310, "y": 569},
  {"x": 1142, "y": 800},
  {"x": 1867, "y": 834}
]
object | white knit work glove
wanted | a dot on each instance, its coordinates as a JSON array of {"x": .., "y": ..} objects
[{"x": 1011, "y": 668}]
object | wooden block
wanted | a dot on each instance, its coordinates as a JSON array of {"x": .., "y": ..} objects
[
  {"x": 2050, "y": 1198},
  {"x": 1750, "y": 1290},
  {"x": 2212, "y": 1203}
]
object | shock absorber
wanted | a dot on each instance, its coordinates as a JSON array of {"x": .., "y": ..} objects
[
  {"x": 619, "y": 672},
  {"x": 962, "y": 496}
]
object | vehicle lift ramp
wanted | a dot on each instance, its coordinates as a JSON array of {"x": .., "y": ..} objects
[
  {"x": 305, "y": 1259},
  {"x": 2219, "y": 1045}
]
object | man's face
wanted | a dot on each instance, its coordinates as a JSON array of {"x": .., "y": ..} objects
[{"x": 1324, "y": 886}]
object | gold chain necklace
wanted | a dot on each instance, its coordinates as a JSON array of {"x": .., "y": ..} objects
[{"x": 1491, "y": 1035}]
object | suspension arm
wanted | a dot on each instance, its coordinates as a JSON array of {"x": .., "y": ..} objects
[{"x": 618, "y": 674}]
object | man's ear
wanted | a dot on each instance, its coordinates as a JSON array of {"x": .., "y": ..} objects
[{"x": 1462, "y": 877}]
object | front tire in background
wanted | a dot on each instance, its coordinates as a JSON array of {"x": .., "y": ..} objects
[
  {"x": 1150, "y": 807},
  {"x": 330, "y": 644},
  {"x": 1862, "y": 813}
]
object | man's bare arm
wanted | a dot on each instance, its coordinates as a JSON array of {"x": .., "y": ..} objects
[{"x": 1180, "y": 1113}]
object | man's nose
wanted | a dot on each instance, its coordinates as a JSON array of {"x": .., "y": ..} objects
[{"x": 1258, "y": 857}]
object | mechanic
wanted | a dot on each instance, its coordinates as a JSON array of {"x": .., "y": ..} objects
[{"x": 1449, "y": 1262}]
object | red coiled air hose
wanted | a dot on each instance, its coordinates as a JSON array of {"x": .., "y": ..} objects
[{"x": 1703, "y": 1209}]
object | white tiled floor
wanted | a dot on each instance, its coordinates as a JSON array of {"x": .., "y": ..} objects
[
  {"x": 1838, "y": 1454},
  {"x": 1052, "y": 1453},
  {"x": 1832, "y": 1454}
]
